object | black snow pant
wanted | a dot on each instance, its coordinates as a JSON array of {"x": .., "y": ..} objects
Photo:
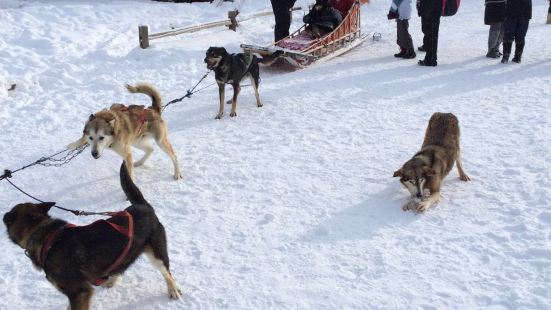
[
  {"x": 282, "y": 14},
  {"x": 515, "y": 30},
  {"x": 429, "y": 26},
  {"x": 403, "y": 38}
]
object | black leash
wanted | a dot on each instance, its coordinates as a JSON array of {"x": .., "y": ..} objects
[
  {"x": 51, "y": 161},
  {"x": 75, "y": 212},
  {"x": 190, "y": 91}
]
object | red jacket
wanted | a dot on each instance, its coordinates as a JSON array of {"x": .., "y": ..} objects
[{"x": 342, "y": 5}]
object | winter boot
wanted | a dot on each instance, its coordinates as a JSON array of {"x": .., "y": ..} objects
[
  {"x": 492, "y": 54},
  {"x": 506, "y": 52},
  {"x": 519, "y": 47},
  {"x": 401, "y": 54},
  {"x": 425, "y": 63},
  {"x": 410, "y": 53}
]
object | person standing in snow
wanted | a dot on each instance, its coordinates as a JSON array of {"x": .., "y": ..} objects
[
  {"x": 517, "y": 18},
  {"x": 494, "y": 15},
  {"x": 430, "y": 11},
  {"x": 283, "y": 15},
  {"x": 401, "y": 11}
]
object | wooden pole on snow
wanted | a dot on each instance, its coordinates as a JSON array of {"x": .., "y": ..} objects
[{"x": 143, "y": 32}]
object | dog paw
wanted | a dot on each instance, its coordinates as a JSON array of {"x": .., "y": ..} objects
[
  {"x": 410, "y": 205},
  {"x": 259, "y": 105},
  {"x": 73, "y": 146},
  {"x": 233, "y": 114},
  {"x": 423, "y": 206},
  {"x": 464, "y": 177},
  {"x": 111, "y": 281},
  {"x": 178, "y": 175},
  {"x": 138, "y": 163},
  {"x": 219, "y": 116},
  {"x": 174, "y": 293}
]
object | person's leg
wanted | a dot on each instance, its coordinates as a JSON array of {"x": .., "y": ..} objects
[
  {"x": 425, "y": 30},
  {"x": 500, "y": 37},
  {"x": 510, "y": 27},
  {"x": 400, "y": 38},
  {"x": 431, "y": 43},
  {"x": 493, "y": 37},
  {"x": 407, "y": 41},
  {"x": 520, "y": 34},
  {"x": 282, "y": 16}
]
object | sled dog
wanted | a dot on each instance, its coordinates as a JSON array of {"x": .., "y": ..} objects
[
  {"x": 121, "y": 127},
  {"x": 428, "y": 167},
  {"x": 75, "y": 257},
  {"x": 232, "y": 69}
]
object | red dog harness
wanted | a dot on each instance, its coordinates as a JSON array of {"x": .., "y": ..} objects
[
  {"x": 127, "y": 232},
  {"x": 142, "y": 118}
]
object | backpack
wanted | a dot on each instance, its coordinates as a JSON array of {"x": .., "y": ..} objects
[{"x": 450, "y": 7}]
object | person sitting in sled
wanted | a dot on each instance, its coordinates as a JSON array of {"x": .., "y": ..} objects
[{"x": 322, "y": 18}]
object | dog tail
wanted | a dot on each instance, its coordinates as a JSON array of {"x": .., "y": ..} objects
[
  {"x": 151, "y": 91},
  {"x": 268, "y": 61},
  {"x": 130, "y": 189}
]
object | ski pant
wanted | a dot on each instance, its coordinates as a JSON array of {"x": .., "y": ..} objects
[
  {"x": 403, "y": 38},
  {"x": 495, "y": 37},
  {"x": 282, "y": 14},
  {"x": 515, "y": 30},
  {"x": 429, "y": 26}
]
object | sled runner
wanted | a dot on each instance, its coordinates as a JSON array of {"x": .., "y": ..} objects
[{"x": 301, "y": 48}]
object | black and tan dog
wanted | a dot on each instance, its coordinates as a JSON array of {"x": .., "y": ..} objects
[
  {"x": 428, "y": 167},
  {"x": 232, "y": 69},
  {"x": 74, "y": 258}
]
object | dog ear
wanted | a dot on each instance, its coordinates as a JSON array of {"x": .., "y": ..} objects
[
  {"x": 398, "y": 173},
  {"x": 91, "y": 118},
  {"x": 9, "y": 218},
  {"x": 429, "y": 171},
  {"x": 46, "y": 206},
  {"x": 112, "y": 123}
]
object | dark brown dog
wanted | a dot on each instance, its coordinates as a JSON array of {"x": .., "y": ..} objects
[
  {"x": 78, "y": 256},
  {"x": 428, "y": 167}
]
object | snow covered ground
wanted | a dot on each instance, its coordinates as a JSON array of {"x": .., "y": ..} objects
[{"x": 291, "y": 206}]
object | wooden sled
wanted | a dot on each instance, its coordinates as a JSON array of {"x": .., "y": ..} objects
[{"x": 301, "y": 49}]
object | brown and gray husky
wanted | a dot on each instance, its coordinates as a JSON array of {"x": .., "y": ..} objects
[
  {"x": 428, "y": 167},
  {"x": 121, "y": 127}
]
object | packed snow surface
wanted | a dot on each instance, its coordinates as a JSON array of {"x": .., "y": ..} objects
[{"x": 292, "y": 205}]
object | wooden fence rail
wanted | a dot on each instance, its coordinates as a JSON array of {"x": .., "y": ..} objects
[{"x": 232, "y": 22}]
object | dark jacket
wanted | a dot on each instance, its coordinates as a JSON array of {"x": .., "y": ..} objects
[
  {"x": 429, "y": 8},
  {"x": 495, "y": 11},
  {"x": 521, "y": 9},
  {"x": 329, "y": 18}
]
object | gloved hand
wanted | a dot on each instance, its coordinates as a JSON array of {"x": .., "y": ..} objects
[{"x": 392, "y": 15}]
